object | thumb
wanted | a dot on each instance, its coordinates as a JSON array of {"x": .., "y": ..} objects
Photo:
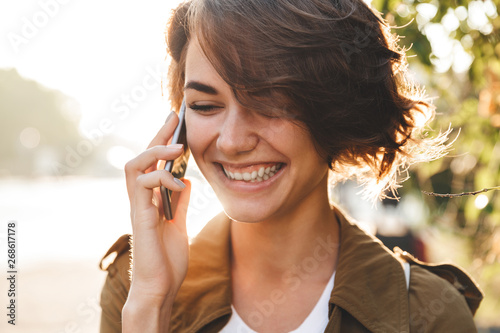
[{"x": 182, "y": 200}]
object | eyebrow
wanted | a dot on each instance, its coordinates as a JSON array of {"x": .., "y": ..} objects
[{"x": 201, "y": 87}]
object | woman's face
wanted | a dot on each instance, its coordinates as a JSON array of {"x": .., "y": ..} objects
[{"x": 259, "y": 167}]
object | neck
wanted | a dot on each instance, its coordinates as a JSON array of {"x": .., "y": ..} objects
[{"x": 304, "y": 242}]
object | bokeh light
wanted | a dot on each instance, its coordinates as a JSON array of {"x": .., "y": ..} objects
[
  {"x": 30, "y": 137},
  {"x": 481, "y": 201}
]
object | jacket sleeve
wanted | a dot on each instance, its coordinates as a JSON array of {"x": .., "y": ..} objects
[
  {"x": 116, "y": 287},
  {"x": 436, "y": 305}
]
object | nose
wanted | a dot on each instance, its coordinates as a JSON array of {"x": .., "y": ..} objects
[{"x": 238, "y": 133}]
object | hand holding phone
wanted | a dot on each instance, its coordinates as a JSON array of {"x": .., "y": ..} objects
[
  {"x": 154, "y": 278},
  {"x": 166, "y": 194}
]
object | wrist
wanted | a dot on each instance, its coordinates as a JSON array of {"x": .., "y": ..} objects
[{"x": 146, "y": 315}]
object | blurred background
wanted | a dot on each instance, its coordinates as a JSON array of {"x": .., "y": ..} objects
[{"x": 80, "y": 94}]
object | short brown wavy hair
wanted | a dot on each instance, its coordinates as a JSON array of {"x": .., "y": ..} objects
[{"x": 330, "y": 65}]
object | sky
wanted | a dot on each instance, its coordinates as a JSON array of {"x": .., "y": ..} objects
[{"x": 107, "y": 55}]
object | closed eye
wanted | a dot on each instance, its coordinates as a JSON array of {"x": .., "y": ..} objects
[{"x": 203, "y": 107}]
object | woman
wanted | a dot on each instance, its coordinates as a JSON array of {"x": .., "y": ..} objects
[{"x": 282, "y": 97}]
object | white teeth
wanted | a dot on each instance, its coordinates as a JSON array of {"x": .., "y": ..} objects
[
  {"x": 261, "y": 172},
  {"x": 256, "y": 175}
]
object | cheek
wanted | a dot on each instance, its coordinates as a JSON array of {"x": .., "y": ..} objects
[
  {"x": 191, "y": 138},
  {"x": 199, "y": 134},
  {"x": 298, "y": 145},
  {"x": 291, "y": 139}
]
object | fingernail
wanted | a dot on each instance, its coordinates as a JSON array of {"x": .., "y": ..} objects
[
  {"x": 179, "y": 182},
  {"x": 169, "y": 116},
  {"x": 176, "y": 146}
]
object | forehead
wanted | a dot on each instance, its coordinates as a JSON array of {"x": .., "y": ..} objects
[
  {"x": 250, "y": 89},
  {"x": 199, "y": 68}
]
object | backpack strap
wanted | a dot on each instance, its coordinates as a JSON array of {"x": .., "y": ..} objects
[
  {"x": 121, "y": 246},
  {"x": 457, "y": 277}
]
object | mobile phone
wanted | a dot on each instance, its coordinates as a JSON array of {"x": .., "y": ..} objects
[{"x": 170, "y": 206}]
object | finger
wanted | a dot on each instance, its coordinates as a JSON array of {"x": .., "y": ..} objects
[
  {"x": 148, "y": 160},
  {"x": 150, "y": 157},
  {"x": 166, "y": 132},
  {"x": 144, "y": 190},
  {"x": 180, "y": 214}
]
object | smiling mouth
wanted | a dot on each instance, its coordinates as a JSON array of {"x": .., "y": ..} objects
[{"x": 253, "y": 174}]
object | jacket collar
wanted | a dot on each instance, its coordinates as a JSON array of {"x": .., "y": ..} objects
[{"x": 369, "y": 280}]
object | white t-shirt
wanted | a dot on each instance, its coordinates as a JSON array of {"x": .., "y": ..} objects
[{"x": 316, "y": 321}]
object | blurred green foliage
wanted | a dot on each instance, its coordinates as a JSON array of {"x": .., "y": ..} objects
[
  {"x": 36, "y": 123},
  {"x": 40, "y": 133},
  {"x": 454, "y": 50}
]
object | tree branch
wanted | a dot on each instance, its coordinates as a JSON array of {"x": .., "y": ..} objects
[{"x": 454, "y": 195}]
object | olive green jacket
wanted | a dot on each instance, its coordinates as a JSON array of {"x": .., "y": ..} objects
[{"x": 370, "y": 292}]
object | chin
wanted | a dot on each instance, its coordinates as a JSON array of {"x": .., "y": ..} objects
[
  {"x": 245, "y": 215},
  {"x": 243, "y": 207}
]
